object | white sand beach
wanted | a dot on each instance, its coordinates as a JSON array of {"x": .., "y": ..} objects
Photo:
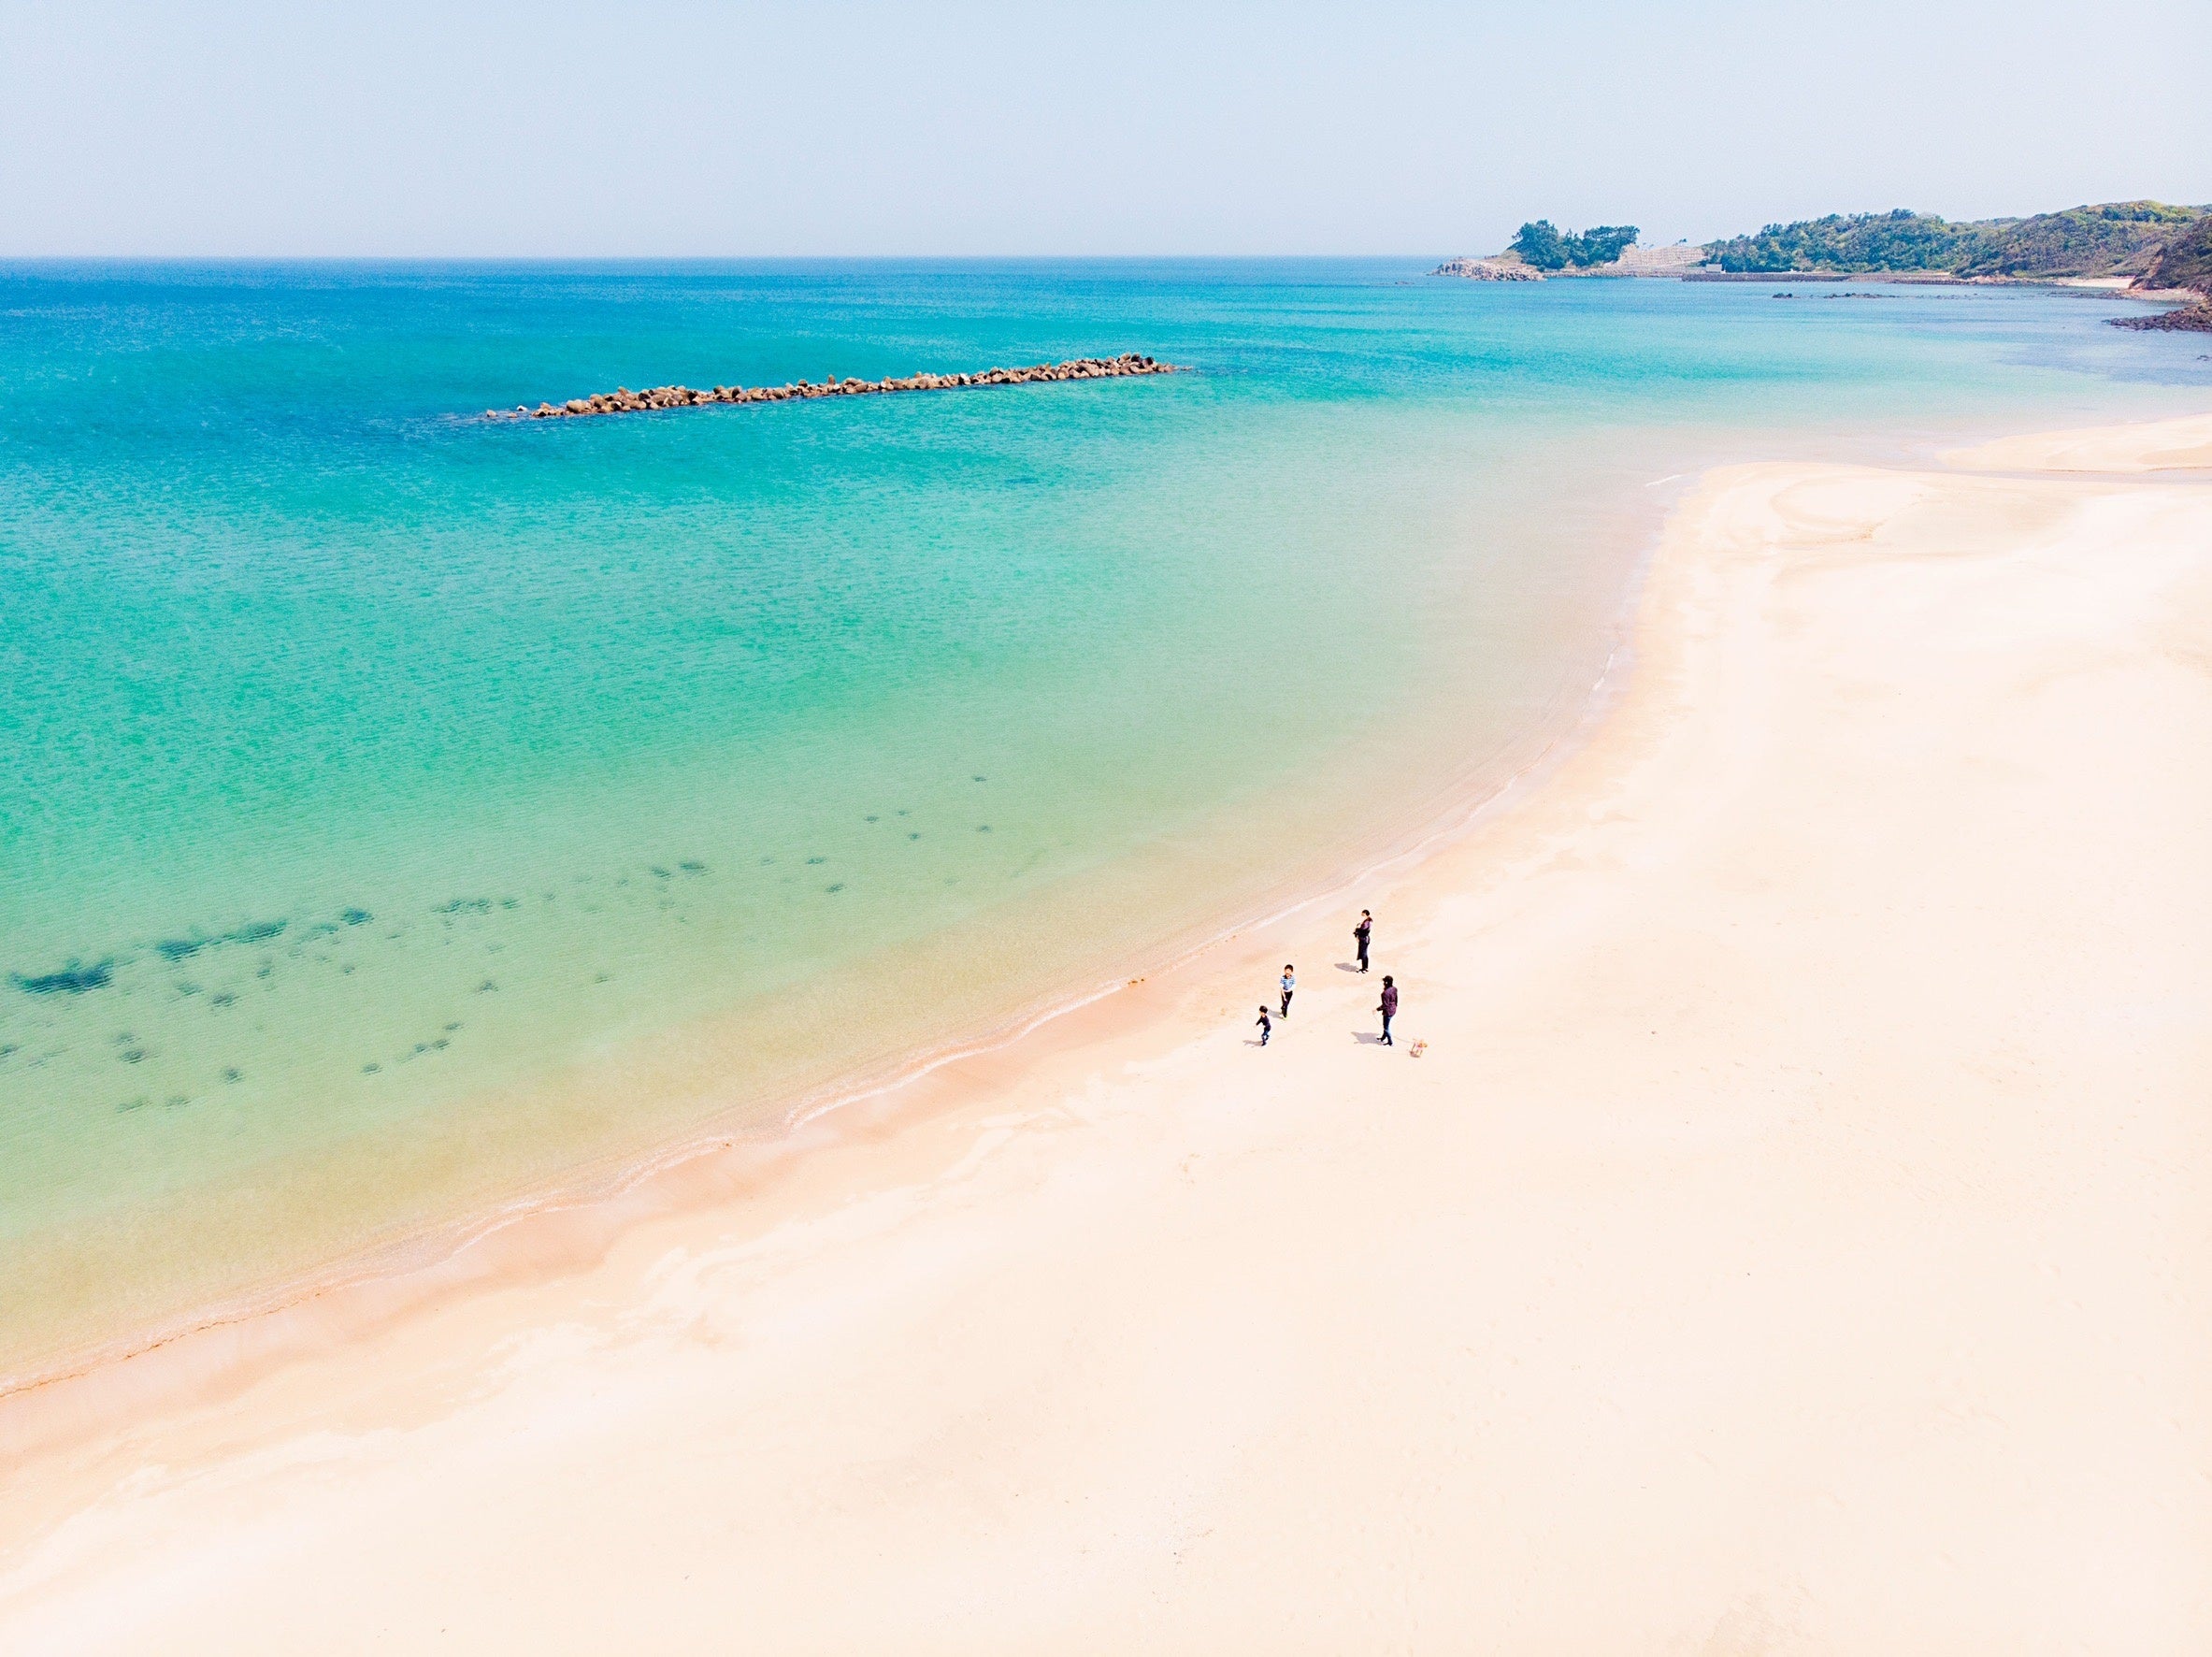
[{"x": 1795, "y": 1238}]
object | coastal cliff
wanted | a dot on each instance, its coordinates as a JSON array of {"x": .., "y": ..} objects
[
  {"x": 623, "y": 401},
  {"x": 2186, "y": 262},
  {"x": 2182, "y": 267}
]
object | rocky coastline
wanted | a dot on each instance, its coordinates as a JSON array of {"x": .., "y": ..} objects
[
  {"x": 1488, "y": 270},
  {"x": 622, "y": 400},
  {"x": 2184, "y": 319}
]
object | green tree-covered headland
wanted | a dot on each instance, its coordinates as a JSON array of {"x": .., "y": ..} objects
[
  {"x": 2114, "y": 238},
  {"x": 1547, "y": 248},
  {"x": 2156, "y": 244}
]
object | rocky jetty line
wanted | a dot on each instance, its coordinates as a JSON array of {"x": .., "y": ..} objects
[{"x": 623, "y": 401}]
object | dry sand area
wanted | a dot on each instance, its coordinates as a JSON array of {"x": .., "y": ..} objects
[{"x": 1797, "y": 1236}]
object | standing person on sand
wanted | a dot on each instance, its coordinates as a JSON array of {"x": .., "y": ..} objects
[
  {"x": 1362, "y": 933},
  {"x": 1266, "y": 1027},
  {"x": 1387, "y": 1007},
  {"x": 1289, "y": 984}
]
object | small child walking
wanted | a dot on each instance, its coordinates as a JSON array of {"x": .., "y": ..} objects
[
  {"x": 1267, "y": 1025},
  {"x": 1289, "y": 984}
]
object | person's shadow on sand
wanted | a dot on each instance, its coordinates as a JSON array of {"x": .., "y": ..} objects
[
  {"x": 1367, "y": 1038},
  {"x": 1347, "y": 966}
]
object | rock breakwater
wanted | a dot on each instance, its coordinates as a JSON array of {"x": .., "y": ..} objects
[{"x": 623, "y": 401}]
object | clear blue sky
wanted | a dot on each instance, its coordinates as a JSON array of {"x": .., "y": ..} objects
[{"x": 550, "y": 128}]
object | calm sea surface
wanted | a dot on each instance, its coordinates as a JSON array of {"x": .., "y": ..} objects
[{"x": 401, "y": 809}]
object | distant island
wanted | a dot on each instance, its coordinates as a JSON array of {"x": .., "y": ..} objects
[{"x": 2146, "y": 246}]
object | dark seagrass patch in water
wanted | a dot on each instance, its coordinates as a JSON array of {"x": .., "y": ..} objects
[{"x": 73, "y": 979}]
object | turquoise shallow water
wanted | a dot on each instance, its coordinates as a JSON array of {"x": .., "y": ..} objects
[{"x": 402, "y": 808}]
